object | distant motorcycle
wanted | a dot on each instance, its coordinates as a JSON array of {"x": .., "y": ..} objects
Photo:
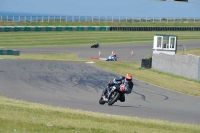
[
  {"x": 95, "y": 45},
  {"x": 113, "y": 94},
  {"x": 112, "y": 58}
]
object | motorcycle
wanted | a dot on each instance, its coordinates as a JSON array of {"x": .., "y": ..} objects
[
  {"x": 114, "y": 94},
  {"x": 95, "y": 45},
  {"x": 112, "y": 58}
]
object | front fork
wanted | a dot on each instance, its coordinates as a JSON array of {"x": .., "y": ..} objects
[{"x": 109, "y": 90}]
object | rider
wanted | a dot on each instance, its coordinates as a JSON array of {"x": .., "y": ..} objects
[
  {"x": 97, "y": 44},
  {"x": 115, "y": 57},
  {"x": 125, "y": 82}
]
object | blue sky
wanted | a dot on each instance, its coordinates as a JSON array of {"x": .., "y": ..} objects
[{"x": 134, "y": 8}]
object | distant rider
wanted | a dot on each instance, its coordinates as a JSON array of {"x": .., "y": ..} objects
[
  {"x": 124, "y": 82},
  {"x": 96, "y": 44},
  {"x": 115, "y": 57}
]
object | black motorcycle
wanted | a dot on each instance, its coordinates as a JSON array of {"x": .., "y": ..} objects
[
  {"x": 96, "y": 45},
  {"x": 114, "y": 93}
]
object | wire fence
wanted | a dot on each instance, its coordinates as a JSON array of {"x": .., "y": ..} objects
[{"x": 112, "y": 19}]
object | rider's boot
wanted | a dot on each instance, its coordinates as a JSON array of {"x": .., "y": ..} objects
[
  {"x": 104, "y": 98},
  {"x": 104, "y": 95},
  {"x": 122, "y": 98}
]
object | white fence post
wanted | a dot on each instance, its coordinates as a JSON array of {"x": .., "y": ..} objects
[{"x": 92, "y": 19}]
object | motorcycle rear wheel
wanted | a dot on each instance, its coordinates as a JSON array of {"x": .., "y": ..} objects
[{"x": 101, "y": 101}]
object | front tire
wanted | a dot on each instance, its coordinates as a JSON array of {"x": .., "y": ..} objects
[{"x": 113, "y": 98}]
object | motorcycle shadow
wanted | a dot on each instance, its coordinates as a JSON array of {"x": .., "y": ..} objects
[{"x": 126, "y": 106}]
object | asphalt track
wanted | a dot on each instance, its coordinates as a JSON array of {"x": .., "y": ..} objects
[{"x": 79, "y": 85}]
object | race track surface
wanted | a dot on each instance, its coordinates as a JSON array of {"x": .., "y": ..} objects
[{"x": 79, "y": 85}]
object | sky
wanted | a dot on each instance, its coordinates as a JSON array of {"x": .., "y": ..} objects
[{"x": 131, "y": 8}]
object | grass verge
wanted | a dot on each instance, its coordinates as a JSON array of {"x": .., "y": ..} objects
[{"x": 20, "y": 116}]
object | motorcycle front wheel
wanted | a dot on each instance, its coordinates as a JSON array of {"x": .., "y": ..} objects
[{"x": 113, "y": 98}]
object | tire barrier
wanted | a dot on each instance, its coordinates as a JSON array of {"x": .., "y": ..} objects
[
  {"x": 9, "y": 52},
  {"x": 156, "y": 28},
  {"x": 52, "y": 28}
]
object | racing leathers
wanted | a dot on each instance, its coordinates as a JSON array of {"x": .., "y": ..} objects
[{"x": 118, "y": 82}]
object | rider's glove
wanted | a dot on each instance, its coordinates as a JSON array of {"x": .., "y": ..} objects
[{"x": 122, "y": 87}]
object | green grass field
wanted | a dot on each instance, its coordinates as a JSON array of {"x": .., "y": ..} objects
[
  {"x": 20, "y": 116},
  {"x": 63, "y": 38}
]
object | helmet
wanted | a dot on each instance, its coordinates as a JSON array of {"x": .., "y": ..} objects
[
  {"x": 128, "y": 77},
  {"x": 115, "y": 55}
]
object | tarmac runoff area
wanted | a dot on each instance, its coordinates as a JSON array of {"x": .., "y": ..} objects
[{"x": 78, "y": 85}]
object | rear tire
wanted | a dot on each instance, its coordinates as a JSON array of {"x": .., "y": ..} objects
[{"x": 101, "y": 101}]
